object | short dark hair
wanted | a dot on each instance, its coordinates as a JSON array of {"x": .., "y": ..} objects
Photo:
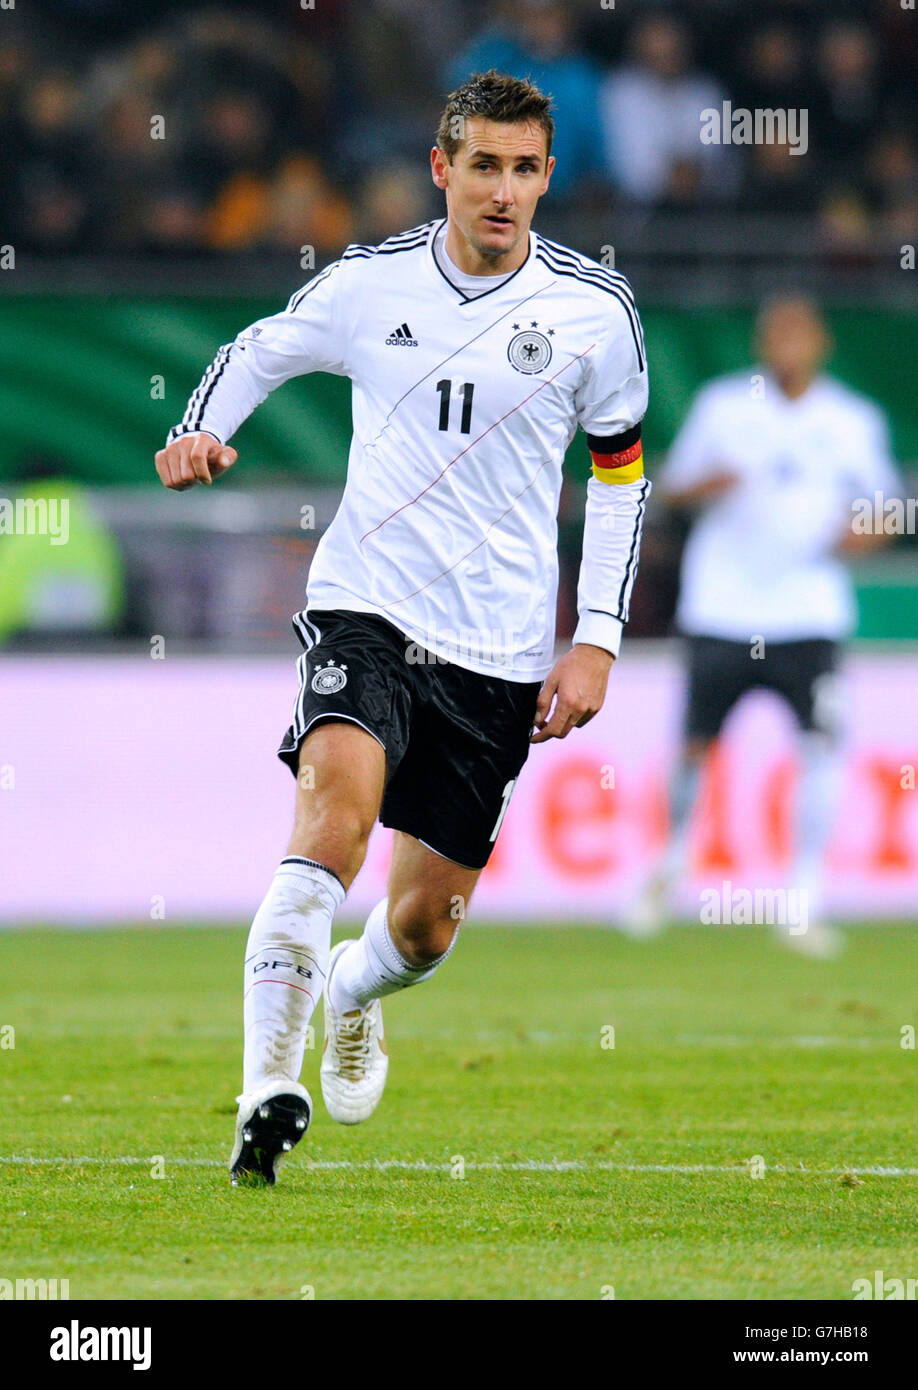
[{"x": 498, "y": 97}]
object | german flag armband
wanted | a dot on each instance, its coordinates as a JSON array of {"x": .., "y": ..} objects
[{"x": 617, "y": 458}]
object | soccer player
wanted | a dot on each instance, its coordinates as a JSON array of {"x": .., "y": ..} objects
[
  {"x": 771, "y": 462},
  {"x": 475, "y": 349}
]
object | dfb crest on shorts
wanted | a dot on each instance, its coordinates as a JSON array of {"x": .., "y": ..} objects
[
  {"x": 329, "y": 679},
  {"x": 529, "y": 352}
]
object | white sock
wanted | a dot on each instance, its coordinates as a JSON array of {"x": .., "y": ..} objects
[
  {"x": 372, "y": 967},
  {"x": 818, "y": 786},
  {"x": 286, "y": 961}
]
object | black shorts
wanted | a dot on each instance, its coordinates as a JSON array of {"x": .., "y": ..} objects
[
  {"x": 720, "y": 672},
  {"x": 455, "y": 740}
]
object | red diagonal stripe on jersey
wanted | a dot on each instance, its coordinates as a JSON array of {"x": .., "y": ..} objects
[
  {"x": 541, "y": 386},
  {"x": 496, "y": 522}
]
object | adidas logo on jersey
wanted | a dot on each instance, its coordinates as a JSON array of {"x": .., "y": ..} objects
[{"x": 402, "y": 338}]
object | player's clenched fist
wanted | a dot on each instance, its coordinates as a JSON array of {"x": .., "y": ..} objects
[{"x": 193, "y": 458}]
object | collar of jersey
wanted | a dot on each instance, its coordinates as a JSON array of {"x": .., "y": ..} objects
[
  {"x": 472, "y": 298},
  {"x": 812, "y": 392}
]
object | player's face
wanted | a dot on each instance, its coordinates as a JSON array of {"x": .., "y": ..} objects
[
  {"x": 793, "y": 341},
  {"x": 497, "y": 177}
]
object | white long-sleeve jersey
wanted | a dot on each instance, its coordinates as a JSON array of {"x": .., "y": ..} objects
[
  {"x": 761, "y": 558},
  {"x": 463, "y": 408}
]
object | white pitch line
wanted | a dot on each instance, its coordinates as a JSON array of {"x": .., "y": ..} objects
[{"x": 423, "y": 1165}]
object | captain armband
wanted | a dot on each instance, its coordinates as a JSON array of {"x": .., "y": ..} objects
[{"x": 618, "y": 457}]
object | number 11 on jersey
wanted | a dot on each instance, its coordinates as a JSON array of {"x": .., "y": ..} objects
[{"x": 466, "y": 390}]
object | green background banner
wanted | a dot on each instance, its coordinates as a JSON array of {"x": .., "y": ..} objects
[
  {"x": 95, "y": 383},
  {"x": 76, "y": 382}
]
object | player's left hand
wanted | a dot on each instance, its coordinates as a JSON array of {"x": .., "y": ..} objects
[{"x": 579, "y": 681}]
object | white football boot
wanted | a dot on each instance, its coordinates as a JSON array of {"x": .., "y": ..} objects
[
  {"x": 649, "y": 912},
  {"x": 270, "y": 1122},
  {"x": 354, "y": 1059}
]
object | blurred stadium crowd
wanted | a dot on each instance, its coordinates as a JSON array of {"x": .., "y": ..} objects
[
  {"x": 147, "y": 148},
  {"x": 312, "y": 126}
]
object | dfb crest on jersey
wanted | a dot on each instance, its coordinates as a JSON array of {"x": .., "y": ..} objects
[
  {"x": 329, "y": 679},
  {"x": 529, "y": 352}
]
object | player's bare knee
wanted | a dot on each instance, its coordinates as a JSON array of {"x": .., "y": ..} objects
[
  {"x": 347, "y": 821},
  {"x": 421, "y": 931},
  {"x": 424, "y": 947}
]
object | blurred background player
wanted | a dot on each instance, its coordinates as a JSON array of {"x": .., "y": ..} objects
[{"x": 770, "y": 463}]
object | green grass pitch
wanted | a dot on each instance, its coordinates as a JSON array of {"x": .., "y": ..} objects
[{"x": 587, "y": 1167}]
